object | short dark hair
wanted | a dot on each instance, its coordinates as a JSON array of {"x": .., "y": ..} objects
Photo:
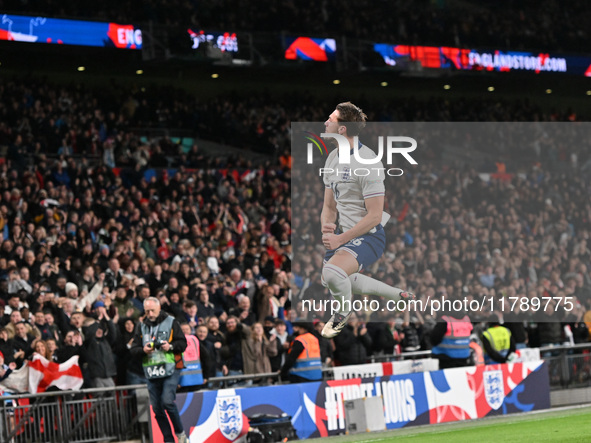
[
  {"x": 189, "y": 304},
  {"x": 353, "y": 116}
]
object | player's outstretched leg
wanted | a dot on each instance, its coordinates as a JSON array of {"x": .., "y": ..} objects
[
  {"x": 339, "y": 284},
  {"x": 364, "y": 285}
]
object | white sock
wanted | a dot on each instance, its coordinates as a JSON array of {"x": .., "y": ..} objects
[
  {"x": 339, "y": 284},
  {"x": 364, "y": 285}
]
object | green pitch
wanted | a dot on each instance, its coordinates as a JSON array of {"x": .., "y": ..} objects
[{"x": 561, "y": 425}]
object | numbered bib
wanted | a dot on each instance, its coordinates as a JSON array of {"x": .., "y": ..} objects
[
  {"x": 156, "y": 371},
  {"x": 159, "y": 364}
]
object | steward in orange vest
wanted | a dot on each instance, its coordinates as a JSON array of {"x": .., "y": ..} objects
[{"x": 302, "y": 362}]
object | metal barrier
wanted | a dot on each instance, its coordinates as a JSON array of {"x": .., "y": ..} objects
[
  {"x": 398, "y": 357},
  {"x": 89, "y": 415},
  {"x": 568, "y": 366}
]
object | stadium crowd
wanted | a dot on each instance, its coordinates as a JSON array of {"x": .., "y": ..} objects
[
  {"x": 86, "y": 240},
  {"x": 40, "y": 118},
  {"x": 548, "y": 25}
]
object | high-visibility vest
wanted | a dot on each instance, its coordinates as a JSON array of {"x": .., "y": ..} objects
[
  {"x": 192, "y": 375},
  {"x": 456, "y": 341},
  {"x": 158, "y": 364},
  {"x": 499, "y": 338},
  {"x": 308, "y": 365}
]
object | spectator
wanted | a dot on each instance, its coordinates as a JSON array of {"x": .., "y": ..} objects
[
  {"x": 113, "y": 274},
  {"x": 257, "y": 350},
  {"x": 231, "y": 352},
  {"x": 14, "y": 304},
  {"x": 129, "y": 370},
  {"x": 353, "y": 344},
  {"x": 54, "y": 331},
  {"x": 42, "y": 326},
  {"x": 326, "y": 345},
  {"x": 123, "y": 304},
  {"x": 487, "y": 278},
  {"x": 190, "y": 315},
  {"x": 143, "y": 292},
  {"x": 77, "y": 322},
  {"x": 243, "y": 311},
  {"x": 100, "y": 336},
  {"x": 72, "y": 346},
  {"x": 550, "y": 332},
  {"x": 411, "y": 341},
  {"x": 205, "y": 308},
  {"x": 385, "y": 337},
  {"x": 40, "y": 347},
  {"x": 514, "y": 321},
  {"x": 7, "y": 347},
  {"x": 23, "y": 341},
  {"x": 201, "y": 334},
  {"x": 52, "y": 348},
  {"x": 5, "y": 369},
  {"x": 4, "y": 319},
  {"x": 217, "y": 340},
  {"x": 172, "y": 305},
  {"x": 16, "y": 283}
]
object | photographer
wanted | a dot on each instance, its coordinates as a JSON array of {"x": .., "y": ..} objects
[{"x": 160, "y": 342}]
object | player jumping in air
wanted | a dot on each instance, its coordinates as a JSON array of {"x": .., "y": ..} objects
[{"x": 352, "y": 220}]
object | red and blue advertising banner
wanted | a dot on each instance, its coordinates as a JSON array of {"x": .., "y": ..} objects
[
  {"x": 27, "y": 29},
  {"x": 307, "y": 48},
  {"x": 447, "y": 57},
  {"x": 316, "y": 409}
]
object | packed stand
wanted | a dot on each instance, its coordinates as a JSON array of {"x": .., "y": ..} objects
[
  {"x": 40, "y": 120},
  {"x": 548, "y": 26}
]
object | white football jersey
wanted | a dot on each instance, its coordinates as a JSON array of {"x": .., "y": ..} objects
[{"x": 352, "y": 183}]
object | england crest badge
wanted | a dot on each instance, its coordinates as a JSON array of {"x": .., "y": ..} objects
[
  {"x": 346, "y": 174},
  {"x": 493, "y": 388},
  {"x": 229, "y": 416}
]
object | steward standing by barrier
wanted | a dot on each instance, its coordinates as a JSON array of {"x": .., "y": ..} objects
[
  {"x": 497, "y": 341},
  {"x": 160, "y": 342},
  {"x": 451, "y": 340},
  {"x": 197, "y": 360},
  {"x": 302, "y": 362}
]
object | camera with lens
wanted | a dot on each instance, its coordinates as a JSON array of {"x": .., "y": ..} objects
[{"x": 155, "y": 345}]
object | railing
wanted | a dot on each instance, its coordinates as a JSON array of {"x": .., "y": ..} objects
[
  {"x": 398, "y": 357},
  {"x": 568, "y": 367},
  {"x": 89, "y": 415}
]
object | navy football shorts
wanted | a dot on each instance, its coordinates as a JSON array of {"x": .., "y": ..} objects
[{"x": 366, "y": 249}]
